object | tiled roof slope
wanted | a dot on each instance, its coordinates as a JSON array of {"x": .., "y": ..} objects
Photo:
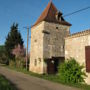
[{"x": 49, "y": 15}]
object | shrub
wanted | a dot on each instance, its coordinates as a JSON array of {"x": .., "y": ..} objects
[
  {"x": 20, "y": 62},
  {"x": 12, "y": 63},
  {"x": 3, "y": 57},
  {"x": 71, "y": 72}
]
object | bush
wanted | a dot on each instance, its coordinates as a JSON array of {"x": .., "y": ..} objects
[
  {"x": 71, "y": 72},
  {"x": 3, "y": 57},
  {"x": 20, "y": 62},
  {"x": 12, "y": 63}
]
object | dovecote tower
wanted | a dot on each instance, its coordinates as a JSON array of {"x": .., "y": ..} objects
[{"x": 47, "y": 41}]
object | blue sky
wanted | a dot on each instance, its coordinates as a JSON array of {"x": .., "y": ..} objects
[{"x": 26, "y": 12}]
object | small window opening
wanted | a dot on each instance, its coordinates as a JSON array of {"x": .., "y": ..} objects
[
  {"x": 35, "y": 62},
  {"x": 45, "y": 32},
  {"x": 56, "y": 27},
  {"x": 39, "y": 60},
  {"x": 35, "y": 40}
]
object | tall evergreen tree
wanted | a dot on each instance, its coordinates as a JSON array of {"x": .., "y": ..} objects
[{"x": 13, "y": 38}]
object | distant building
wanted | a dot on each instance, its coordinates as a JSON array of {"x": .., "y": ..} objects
[{"x": 47, "y": 41}]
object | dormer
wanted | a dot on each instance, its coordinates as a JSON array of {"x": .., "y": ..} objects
[{"x": 58, "y": 16}]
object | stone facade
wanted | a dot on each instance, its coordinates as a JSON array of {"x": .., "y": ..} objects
[
  {"x": 75, "y": 47},
  {"x": 54, "y": 42},
  {"x": 47, "y": 41},
  {"x": 36, "y": 51}
]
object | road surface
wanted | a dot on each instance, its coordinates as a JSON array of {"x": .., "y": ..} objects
[{"x": 27, "y": 82}]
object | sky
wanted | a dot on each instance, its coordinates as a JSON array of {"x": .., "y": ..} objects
[{"x": 26, "y": 12}]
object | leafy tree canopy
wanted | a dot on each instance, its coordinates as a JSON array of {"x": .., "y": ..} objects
[
  {"x": 2, "y": 48},
  {"x": 13, "y": 38}
]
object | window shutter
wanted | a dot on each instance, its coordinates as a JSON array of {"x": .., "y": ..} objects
[{"x": 87, "y": 52}]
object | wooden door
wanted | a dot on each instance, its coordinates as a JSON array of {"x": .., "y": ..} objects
[
  {"x": 87, "y": 52},
  {"x": 50, "y": 67}
]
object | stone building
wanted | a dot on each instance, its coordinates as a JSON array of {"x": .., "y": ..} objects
[
  {"x": 47, "y": 41},
  {"x": 78, "y": 46}
]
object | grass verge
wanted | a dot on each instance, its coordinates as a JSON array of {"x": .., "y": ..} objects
[
  {"x": 5, "y": 84},
  {"x": 53, "y": 78}
]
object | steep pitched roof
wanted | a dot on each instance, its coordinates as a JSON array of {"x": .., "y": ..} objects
[{"x": 49, "y": 15}]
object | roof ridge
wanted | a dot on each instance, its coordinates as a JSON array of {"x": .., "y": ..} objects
[
  {"x": 84, "y": 31},
  {"x": 78, "y": 34}
]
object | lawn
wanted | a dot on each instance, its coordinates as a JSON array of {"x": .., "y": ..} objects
[
  {"x": 53, "y": 78},
  {"x": 5, "y": 84}
]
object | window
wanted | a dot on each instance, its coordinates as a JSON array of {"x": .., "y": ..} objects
[
  {"x": 58, "y": 16},
  {"x": 56, "y": 27},
  {"x": 39, "y": 60},
  {"x": 35, "y": 40},
  {"x": 45, "y": 32},
  {"x": 35, "y": 62}
]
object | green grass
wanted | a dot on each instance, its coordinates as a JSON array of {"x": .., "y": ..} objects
[
  {"x": 5, "y": 84},
  {"x": 53, "y": 78}
]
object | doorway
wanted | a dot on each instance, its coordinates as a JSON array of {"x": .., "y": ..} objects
[{"x": 52, "y": 65}]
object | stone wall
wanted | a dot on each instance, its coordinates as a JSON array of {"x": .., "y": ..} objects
[
  {"x": 36, "y": 51},
  {"x": 75, "y": 47},
  {"x": 47, "y": 41},
  {"x": 54, "y": 41}
]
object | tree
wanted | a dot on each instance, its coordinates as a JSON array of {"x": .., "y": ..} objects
[
  {"x": 2, "y": 48},
  {"x": 13, "y": 38},
  {"x": 19, "y": 51}
]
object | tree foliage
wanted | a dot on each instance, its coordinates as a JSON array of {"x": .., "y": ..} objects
[
  {"x": 2, "y": 48},
  {"x": 13, "y": 38},
  {"x": 3, "y": 58},
  {"x": 19, "y": 51},
  {"x": 71, "y": 72}
]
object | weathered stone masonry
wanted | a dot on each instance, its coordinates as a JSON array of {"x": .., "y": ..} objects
[
  {"x": 54, "y": 41},
  {"x": 75, "y": 47},
  {"x": 37, "y": 48},
  {"x": 44, "y": 46}
]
